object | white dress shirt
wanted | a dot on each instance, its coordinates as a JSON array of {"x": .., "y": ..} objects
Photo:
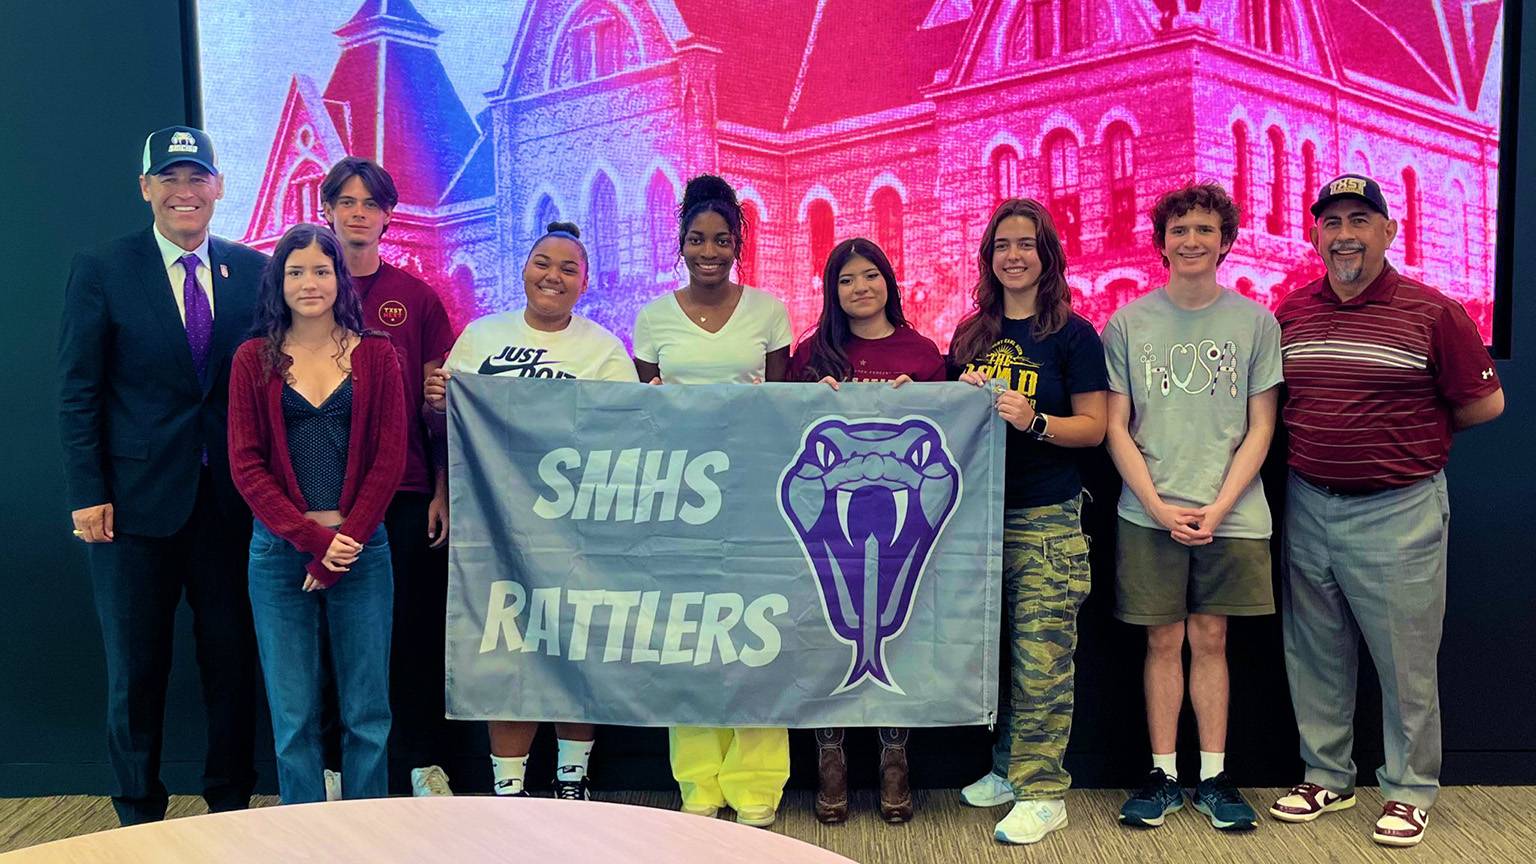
[{"x": 171, "y": 254}]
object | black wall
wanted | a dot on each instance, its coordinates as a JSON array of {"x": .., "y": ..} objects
[{"x": 83, "y": 82}]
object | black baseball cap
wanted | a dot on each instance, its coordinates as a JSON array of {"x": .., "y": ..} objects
[
  {"x": 175, "y": 144},
  {"x": 1357, "y": 186}
]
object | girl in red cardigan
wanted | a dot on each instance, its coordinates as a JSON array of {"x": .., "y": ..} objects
[{"x": 317, "y": 447}]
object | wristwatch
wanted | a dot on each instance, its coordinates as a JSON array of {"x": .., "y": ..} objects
[{"x": 1037, "y": 428}]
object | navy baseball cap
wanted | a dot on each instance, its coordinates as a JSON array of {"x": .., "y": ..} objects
[
  {"x": 175, "y": 144},
  {"x": 1356, "y": 186}
]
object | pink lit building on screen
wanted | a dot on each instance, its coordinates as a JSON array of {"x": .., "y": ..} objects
[{"x": 906, "y": 121}]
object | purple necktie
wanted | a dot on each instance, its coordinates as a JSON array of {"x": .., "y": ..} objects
[{"x": 199, "y": 316}]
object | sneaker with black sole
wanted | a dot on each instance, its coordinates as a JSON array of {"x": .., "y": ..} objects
[
  {"x": 1150, "y": 805},
  {"x": 502, "y": 785},
  {"x": 1224, "y": 805},
  {"x": 572, "y": 790}
]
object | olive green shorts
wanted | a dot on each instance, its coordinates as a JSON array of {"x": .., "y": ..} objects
[{"x": 1159, "y": 580}]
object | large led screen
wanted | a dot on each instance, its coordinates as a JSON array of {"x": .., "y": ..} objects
[{"x": 904, "y": 121}]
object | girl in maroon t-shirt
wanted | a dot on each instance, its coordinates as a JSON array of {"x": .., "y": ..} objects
[{"x": 863, "y": 336}]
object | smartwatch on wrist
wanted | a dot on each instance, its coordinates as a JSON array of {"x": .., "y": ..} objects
[{"x": 1038, "y": 428}]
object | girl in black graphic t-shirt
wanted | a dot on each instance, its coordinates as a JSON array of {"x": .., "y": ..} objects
[{"x": 1053, "y": 395}]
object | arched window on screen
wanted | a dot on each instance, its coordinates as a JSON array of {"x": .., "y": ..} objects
[
  {"x": 1121, "y": 171},
  {"x": 603, "y": 223},
  {"x": 1274, "y": 223},
  {"x": 1061, "y": 181},
  {"x": 887, "y": 208},
  {"x": 1003, "y": 174},
  {"x": 1265, "y": 25},
  {"x": 1413, "y": 252},
  {"x": 597, "y": 43},
  {"x": 544, "y": 213},
  {"x": 1241, "y": 171},
  {"x": 661, "y": 219},
  {"x": 821, "y": 224},
  {"x": 301, "y": 203},
  {"x": 1309, "y": 186}
]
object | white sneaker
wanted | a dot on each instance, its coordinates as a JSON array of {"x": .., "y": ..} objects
[
  {"x": 989, "y": 791},
  {"x": 1030, "y": 821},
  {"x": 429, "y": 782},
  {"x": 332, "y": 785}
]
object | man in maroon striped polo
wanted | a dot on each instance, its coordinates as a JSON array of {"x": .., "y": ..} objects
[{"x": 1381, "y": 371}]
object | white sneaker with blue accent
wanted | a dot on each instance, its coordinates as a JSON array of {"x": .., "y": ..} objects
[
  {"x": 989, "y": 791},
  {"x": 429, "y": 782},
  {"x": 1029, "y": 821}
]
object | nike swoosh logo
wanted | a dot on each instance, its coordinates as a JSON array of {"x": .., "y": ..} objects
[{"x": 489, "y": 368}]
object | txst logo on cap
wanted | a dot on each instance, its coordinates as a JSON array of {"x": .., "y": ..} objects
[
  {"x": 1355, "y": 186},
  {"x": 1347, "y": 186}
]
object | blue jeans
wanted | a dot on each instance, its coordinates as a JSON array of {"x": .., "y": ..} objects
[{"x": 356, "y": 614}]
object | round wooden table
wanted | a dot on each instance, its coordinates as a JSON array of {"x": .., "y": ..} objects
[{"x": 457, "y": 829}]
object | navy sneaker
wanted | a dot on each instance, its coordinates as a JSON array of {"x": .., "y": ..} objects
[
  {"x": 1151, "y": 804},
  {"x": 1220, "y": 801}
]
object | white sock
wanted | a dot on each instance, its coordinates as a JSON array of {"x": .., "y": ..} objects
[
  {"x": 1212, "y": 764},
  {"x": 1169, "y": 762},
  {"x": 508, "y": 772},
  {"x": 571, "y": 759}
]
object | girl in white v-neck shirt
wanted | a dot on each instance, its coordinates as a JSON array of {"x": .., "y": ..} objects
[
  {"x": 689, "y": 354},
  {"x": 743, "y": 768}
]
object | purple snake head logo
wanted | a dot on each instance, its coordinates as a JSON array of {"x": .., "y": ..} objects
[{"x": 867, "y": 499}]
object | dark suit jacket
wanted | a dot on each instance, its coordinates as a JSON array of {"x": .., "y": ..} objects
[{"x": 132, "y": 412}]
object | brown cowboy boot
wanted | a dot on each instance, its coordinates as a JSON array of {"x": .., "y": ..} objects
[
  {"x": 895, "y": 795},
  {"x": 832, "y": 771}
]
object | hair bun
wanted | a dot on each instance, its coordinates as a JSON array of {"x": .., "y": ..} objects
[
  {"x": 707, "y": 187},
  {"x": 564, "y": 228}
]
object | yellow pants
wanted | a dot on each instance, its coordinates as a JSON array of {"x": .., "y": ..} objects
[{"x": 745, "y": 768}]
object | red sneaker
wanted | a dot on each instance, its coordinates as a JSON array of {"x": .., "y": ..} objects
[
  {"x": 1400, "y": 825},
  {"x": 1307, "y": 801}
]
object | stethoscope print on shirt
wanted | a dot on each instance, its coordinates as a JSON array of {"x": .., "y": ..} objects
[{"x": 1191, "y": 367}]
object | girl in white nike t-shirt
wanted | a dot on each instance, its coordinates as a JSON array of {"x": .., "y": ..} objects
[{"x": 542, "y": 340}]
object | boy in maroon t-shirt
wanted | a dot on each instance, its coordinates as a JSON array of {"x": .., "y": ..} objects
[{"x": 360, "y": 199}]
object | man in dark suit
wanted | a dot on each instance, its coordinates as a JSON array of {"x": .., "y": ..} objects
[{"x": 150, "y": 323}]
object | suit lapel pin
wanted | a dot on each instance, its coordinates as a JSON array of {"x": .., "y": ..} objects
[{"x": 224, "y": 271}]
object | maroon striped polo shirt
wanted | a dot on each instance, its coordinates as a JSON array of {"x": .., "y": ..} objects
[{"x": 1373, "y": 380}]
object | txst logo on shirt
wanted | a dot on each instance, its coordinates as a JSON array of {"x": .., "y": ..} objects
[
  {"x": 522, "y": 362},
  {"x": 392, "y": 313}
]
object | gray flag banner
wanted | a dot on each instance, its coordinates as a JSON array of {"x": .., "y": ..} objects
[{"x": 723, "y": 555}]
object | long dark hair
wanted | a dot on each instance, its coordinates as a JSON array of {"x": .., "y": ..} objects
[
  {"x": 1053, "y": 298},
  {"x": 707, "y": 192},
  {"x": 273, "y": 317},
  {"x": 829, "y": 357}
]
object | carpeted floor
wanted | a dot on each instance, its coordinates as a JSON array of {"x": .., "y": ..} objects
[{"x": 1470, "y": 824}]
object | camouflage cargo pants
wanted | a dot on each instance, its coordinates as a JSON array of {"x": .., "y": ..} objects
[{"x": 1045, "y": 580}]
